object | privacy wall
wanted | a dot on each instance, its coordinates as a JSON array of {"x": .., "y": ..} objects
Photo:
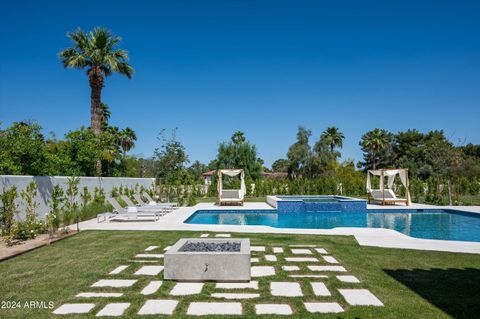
[{"x": 45, "y": 185}]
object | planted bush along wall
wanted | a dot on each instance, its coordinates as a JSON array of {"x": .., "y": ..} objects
[{"x": 45, "y": 186}]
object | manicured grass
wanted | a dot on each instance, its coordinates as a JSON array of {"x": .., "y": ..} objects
[{"x": 411, "y": 284}]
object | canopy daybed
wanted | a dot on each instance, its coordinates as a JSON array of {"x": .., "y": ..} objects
[
  {"x": 231, "y": 196},
  {"x": 387, "y": 195}
]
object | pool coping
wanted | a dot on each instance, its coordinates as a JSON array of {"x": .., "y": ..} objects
[{"x": 376, "y": 237}]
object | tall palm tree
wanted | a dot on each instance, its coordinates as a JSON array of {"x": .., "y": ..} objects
[
  {"x": 332, "y": 137},
  {"x": 97, "y": 52},
  {"x": 375, "y": 141},
  {"x": 105, "y": 115},
  {"x": 127, "y": 140}
]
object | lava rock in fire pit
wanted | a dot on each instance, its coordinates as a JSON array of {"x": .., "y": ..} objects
[{"x": 210, "y": 246}]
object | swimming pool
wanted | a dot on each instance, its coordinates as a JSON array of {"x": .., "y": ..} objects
[{"x": 426, "y": 223}]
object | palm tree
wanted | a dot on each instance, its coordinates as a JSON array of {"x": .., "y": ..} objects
[
  {"x": 375, "y": 141},
  {"x": 105, "y": 115},
  {"x": 127, "y": 140},
  {"x": 97, "y": 52},
  {"x": 332, "y": 137}
]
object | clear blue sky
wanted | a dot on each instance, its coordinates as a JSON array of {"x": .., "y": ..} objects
[{"x": 267, "y": 66}]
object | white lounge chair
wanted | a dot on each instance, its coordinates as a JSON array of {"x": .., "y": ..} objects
[
  {"x": 386, "y": 197},
  {"x": 130, "y": 213},
  {"x": 152, "y": 202},
  {"x": 167, "y": 206}
]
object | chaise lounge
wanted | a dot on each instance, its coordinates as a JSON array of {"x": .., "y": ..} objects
[{"x": 128, "y": 214}]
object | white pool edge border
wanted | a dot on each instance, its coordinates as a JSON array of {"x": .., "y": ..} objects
[{"x": 376, "y": 237}]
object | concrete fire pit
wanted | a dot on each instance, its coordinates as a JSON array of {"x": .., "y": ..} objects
[{"x": 208, "y": 259}]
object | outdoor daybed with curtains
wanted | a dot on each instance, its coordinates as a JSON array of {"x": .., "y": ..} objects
[
  {"x": 386, "y": 195},
  {"x": 231, "y": 196}
]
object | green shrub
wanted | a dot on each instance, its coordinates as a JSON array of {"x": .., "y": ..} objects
[
  {"x": 9, "y": 211},
  {"x": 55, "y": 203}
]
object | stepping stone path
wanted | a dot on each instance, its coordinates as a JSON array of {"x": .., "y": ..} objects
[
  {"x": 186, "y": 288},
  {"x": 286, "y": 289},
  {"x": 158, "y": 307},
  {"x": 167, "y": 248},
  {"x": 99, "y": 294},
  {"x": 330, "y": 259},
  {"x": 290, "y": 268},
  {"x": 327, "y": 268},
  {"x": 149, "y": 256},
  {"x": 71, "y": 308},
  {"x": 270, "y": 258},
  {"x": 301, "y": 259},
  {"x": 237, "y": 285},
  {"x": 360, "y": 297},
  {"x": 235, "y": 296},
  {"x": 308, "y": 246},
  {"x": 115, "y": 283},
  {"x": 313, "y": 278},
  {"x": 262, "y": 271},
  {"x": 320, "y": 289},
  {"x": 214, "y": 308},
  {"x": 346, "y": 278},
  {"x": 223, "y": 235},
  {"x": 299, "y": 251},
  {"x": 113, "y": 309},
  {"x": 204, "y": 235},
  {"x": 152, "y": 287},
  {"x": 118, "y": 270},
  {"x": 149, "y": 270},
  {"x": 273, "y": 309},
  {"x": 308, "y": 276},
  {"x": 323, "y": 307}
]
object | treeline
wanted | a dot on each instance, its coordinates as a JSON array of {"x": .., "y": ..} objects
[{"x": 26, "y": 151}]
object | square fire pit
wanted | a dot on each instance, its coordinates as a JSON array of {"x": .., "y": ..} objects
[{"x": 208, "y": 259}]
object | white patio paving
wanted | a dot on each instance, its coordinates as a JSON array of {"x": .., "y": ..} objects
[{"x": 378, "y": 237}]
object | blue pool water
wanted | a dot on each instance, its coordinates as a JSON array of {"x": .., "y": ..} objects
[{"x": 430, "y": 224}]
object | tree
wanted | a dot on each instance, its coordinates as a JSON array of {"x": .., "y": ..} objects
[
  {"x": 105, "y": 115},
  {"x": 238, "y": 137},
  {"x": 373, "y": 143},
  {"x": 22, "y": 150},
  {"x": 239, "y": 153},
  {"x": 197, "y": 169},
  {"x": 299, "y": 155},
  {"x": 127, "y": 140},
  {"x": 280, "y": 165},
  {"x": 171, "y": 157},
  {"x": 97, "y": 52},
  {"x": 332, "y": 137}
]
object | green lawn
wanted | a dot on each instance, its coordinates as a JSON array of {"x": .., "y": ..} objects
[{"x": 411, "y": 284}]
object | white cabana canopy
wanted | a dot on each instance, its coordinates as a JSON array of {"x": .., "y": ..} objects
[
  {"x": 241, "y": 192},
  {"x": 390, "y": 174}
]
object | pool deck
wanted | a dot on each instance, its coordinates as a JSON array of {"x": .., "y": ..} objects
[{"x": 377, "y": 237}]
